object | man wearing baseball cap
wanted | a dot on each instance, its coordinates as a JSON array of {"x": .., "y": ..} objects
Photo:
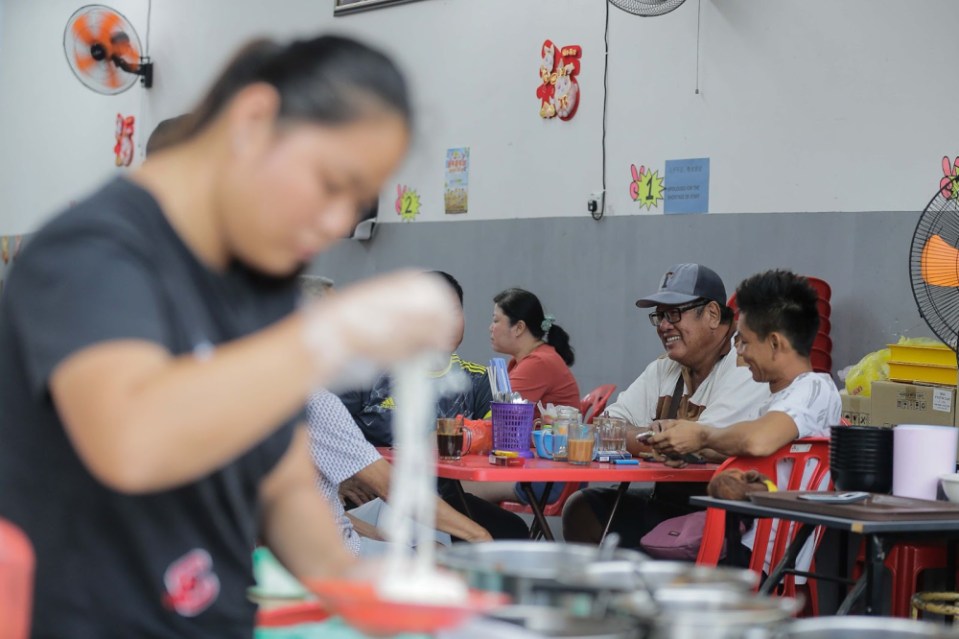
[{"x": 697, "y": 379}]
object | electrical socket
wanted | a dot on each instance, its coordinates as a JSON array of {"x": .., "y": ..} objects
[{"x": 596, "y": 204}]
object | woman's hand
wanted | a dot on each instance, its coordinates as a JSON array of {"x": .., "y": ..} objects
[{"x": 383, "y": 320}]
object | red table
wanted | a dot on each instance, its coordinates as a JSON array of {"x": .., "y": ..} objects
[{"x": 478, "y": 468}]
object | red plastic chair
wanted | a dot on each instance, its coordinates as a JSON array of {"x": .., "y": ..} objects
[
  {"x": 17, "y": 563},
  {"x": 594, "y": 403},
  {"x": 714, "y": 534}
]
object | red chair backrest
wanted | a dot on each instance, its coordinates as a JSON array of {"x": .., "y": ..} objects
[
  {"x": 16, "y": 582},
  {"x": 594, "y": 403},
  {"x": 813, "y": 451}
]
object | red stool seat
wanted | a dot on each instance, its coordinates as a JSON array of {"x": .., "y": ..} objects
[{"x": 906, "y": 562}]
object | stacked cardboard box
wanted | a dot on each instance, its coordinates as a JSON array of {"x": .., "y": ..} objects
[
  {"x": 896, "y": 403},
  {"x": 856, "y": 409}
]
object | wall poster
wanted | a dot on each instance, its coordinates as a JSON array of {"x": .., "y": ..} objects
[
  {"x": 687, "y": 189},
  {"x": 456, "y": 185}
]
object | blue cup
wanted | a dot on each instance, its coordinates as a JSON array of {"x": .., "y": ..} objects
[{"x": 543, "y": 440}]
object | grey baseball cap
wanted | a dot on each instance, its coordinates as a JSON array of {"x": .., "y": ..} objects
[{"x": 685, "y": 283}]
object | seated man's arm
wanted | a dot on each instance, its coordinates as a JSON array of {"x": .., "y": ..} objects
[
  {"x": 377, "y": 477},
  {"x": 364, "y": 529},
  {"x": 756, "y": 438},
  {"x": 356, "y": 491},
  {"x": 338, "y": 447},
  {"x": 637, "y": 405},
  {"x": 712, "y": 456}
]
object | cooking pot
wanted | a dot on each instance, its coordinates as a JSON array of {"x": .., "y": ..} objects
[
  {"x": 872, "y": 627},
  {"x": 546, "y": 622},
  {"x": 539, "y": 573},
  {"x": 698, "y": 613}
]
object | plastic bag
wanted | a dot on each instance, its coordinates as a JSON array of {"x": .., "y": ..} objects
[
  {"x": 872, "y": 367},
  {"x": 477, "y": 436},
  {"x": 548, "y": 414}
]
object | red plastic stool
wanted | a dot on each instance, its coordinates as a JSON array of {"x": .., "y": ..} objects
[{"x": 906, "y": 562}]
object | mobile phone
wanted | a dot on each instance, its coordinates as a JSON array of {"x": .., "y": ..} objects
[
  {"x": 645, "y": 435},
  {"x": 841, "y": 498}
]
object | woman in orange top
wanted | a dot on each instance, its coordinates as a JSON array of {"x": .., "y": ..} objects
[{"x": 538, "y": 371}]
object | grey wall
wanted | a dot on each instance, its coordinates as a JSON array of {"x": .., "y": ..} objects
[{"x": 589, "y": 273}]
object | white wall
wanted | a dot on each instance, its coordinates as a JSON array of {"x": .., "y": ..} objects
[
  {"x": 805, "y": 105},
  {"x": 56, "y": 136},
  {"x": 1, "y": 23}
]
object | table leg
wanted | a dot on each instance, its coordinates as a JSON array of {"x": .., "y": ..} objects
[
  {"x": 845, "y": 569},
  {"x": 535, "y": 531},
  {"x": 623, "y": 487},
  {"x": 789, "y": 559},
  {"x": 538, "y": 515},
  {"x": 872, "y": 571},
  {"x": 458, "y": 487},
  {"x": 846, "y": 607}
]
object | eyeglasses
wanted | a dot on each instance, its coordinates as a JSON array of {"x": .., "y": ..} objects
[{"x": 673, "y": 315}]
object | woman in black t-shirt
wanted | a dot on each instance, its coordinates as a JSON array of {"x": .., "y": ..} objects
[{"x": 152, "y": 366}]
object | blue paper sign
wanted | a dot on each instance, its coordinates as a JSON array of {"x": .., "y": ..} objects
[{"x": 687, "y": 186}]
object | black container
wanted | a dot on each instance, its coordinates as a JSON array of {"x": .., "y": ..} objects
[
  {"x": 855, "y": 480},
  {"x": 860, "y": 458}
]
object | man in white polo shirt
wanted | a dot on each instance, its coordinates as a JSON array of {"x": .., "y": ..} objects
[{"x": 698, "y": 379}]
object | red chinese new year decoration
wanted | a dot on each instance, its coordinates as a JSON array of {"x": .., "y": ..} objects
[
  {"x": 558, "y": 91},
  {"x": 124, "y": 148}
]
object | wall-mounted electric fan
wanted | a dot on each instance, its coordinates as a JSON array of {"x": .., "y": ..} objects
[
  {"x": 646, "y": 8},
  {"x": 934, "y": 264},
  {"x": 104, "y": 51}
]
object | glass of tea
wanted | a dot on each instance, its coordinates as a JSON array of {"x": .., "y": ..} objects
[
  {"x": 581, "y": 444},
  {"x": 449, "y": 437}
]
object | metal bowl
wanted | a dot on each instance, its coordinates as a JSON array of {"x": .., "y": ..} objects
[
  {"x": 546, "y": 622},
  {"x": 532, "y": 572},
  {"x": 707, "y": 614},
  {"x": 678, "y": 574},
  {"x": 872, "y": 627}
]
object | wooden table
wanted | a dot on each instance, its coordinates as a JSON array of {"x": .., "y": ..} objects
[
  {"x": 880, "y": 536},
  {"x": 478, "y": 468}
]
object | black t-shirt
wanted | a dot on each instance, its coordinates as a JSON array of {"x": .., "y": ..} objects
[{"x": 170, "y": 564}]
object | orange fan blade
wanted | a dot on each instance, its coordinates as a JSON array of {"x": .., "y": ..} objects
[
  {"x": 113, "y": 78},
  {"x": 109, "y": 22},
  {"x": 940, "y": 263},
  {"x": 81, "y": 29},
  {"x": 84, "y": 62}
]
